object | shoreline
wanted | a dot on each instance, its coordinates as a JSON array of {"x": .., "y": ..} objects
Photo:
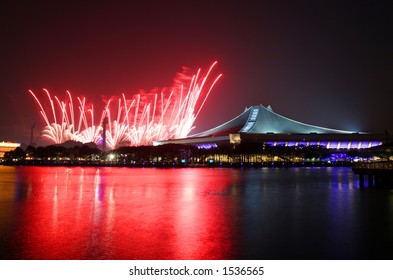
[{"x": 180, "y": 165}]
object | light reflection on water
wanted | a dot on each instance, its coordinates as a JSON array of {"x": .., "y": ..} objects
[{"x": 195, "y": 213}]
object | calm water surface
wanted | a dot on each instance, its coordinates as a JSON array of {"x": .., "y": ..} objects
[{"x": 194, "y": 213}]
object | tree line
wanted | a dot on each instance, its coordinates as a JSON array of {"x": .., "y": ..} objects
[{"x": 182, "y": 154}]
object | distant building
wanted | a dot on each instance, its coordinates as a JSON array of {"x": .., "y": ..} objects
[
  {"x": 6, "y": 147},
  {"x": 260, "y": 124}
]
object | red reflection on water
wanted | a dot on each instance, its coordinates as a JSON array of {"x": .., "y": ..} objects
[{"x": 126, "y": 213}]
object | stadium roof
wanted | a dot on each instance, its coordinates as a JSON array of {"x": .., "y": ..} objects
[
  {"x": 262, "y": 120},
  {"x": 260, "y": 124}
]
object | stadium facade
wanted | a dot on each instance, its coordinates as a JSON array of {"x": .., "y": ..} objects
[{"x": 262, "y": 125}]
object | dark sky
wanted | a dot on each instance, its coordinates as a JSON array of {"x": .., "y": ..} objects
[{"x": 320, "y": 62}]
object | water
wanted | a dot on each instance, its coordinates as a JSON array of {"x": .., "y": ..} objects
[{"x": 192, "y": 213}]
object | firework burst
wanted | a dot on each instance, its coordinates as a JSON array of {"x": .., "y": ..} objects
[{"x": 140, "y": 120}]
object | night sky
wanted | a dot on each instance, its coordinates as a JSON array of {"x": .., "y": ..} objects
[{"x": 325, "y": 63}]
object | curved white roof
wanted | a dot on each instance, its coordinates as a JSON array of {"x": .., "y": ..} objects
[{"x": 262, "y": 120}]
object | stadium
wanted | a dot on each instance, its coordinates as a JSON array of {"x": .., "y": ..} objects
[{"x": 259, "y": 124}]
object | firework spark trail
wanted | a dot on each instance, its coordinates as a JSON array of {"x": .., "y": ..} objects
[{"x": 139, "y": 121}]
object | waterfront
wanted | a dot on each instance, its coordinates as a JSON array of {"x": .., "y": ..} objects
[{"x": 192, "y": 213}]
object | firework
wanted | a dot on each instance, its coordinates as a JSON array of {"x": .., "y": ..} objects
[{"x": 140, "y": 120}]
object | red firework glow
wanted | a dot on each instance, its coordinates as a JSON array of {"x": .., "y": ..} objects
[{"x": 137, "y": 121}]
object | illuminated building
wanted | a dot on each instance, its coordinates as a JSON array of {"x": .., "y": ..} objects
[
  {"x": 6, "y": 147},
  {"x": 260, "y": 124}
]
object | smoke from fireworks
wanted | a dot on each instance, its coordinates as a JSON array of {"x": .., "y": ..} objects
[{"x": 140, "y": 120}]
